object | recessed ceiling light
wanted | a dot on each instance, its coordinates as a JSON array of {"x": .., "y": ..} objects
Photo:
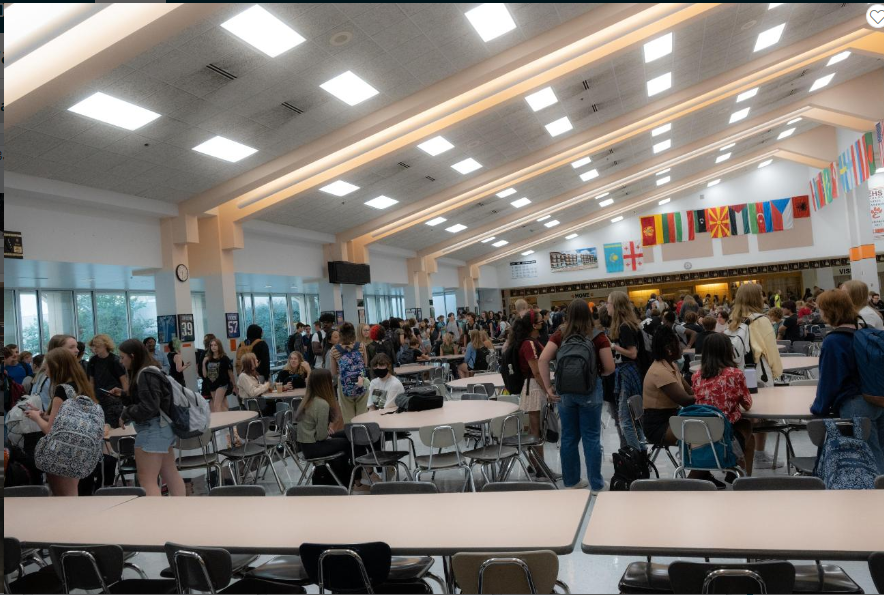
[
  {"x": 657, "y": 48},
  {"x": 114, "y": 111},
  {"x": 436, "y": 221},
  {"x": 490, "y": 20},
  {"x": 589, "y": 175},
  {"x": 722, "y": 157},
  {"x": 552, "y": 223},
  {"x": 713, "y": 183},
  {"x": 747, "y": 95},
  {"x": 794, "y": 121},
  {"x": 602, "y": 195},
  {"x": 226, "y": 149},
  {"x": 521, "y": 202},
  {"x": 466, "y": 166},
  {"x": 541, "y": 99},
  {"x": 821, "y": 82},
  {"x": 661, "y": 129},
  {"x": 349, "y": 88},
  {"x": 739, "y": 115},
  {"x": 339, "y": 188},
  {"x": 785, "y": 134},
  {"x": 527, "y": 252},
  {"x": 662, "y": 146},
  {"x": 659, "y": 84},
  {"x": 606, "y": 203},
  {"x": 769, "y": 37},
  {"x": 262, "y": 30},
  {"x": 507, "y": 192},
  {"x": 382, "y": 202},
  {"x": 435, "y": 146},
  {"x": 617, "y": 219},
  {"x": 665, "y": 171},
  {"x": 838, "y": 58},
  {"x": 544, "y": 218},
  {"x": 726, "y": 147},
  {"x": 486, "y": 240},
  {"x": 774, "y": 5},
  {"x": 571, "y": 236},
  {"x": 455, "y": 228},
  {"x": 765, "y": 163},
  {"x": 664, "y": 201},
  {"x": 500, "y": 243},
  {"x": 581, "y": 162},
  {"x": 559, "y": 126},
  {"x": 664, "y": 180}
]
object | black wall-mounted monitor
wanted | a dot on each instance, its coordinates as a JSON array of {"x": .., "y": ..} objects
[{"x": 348, "y": 273}]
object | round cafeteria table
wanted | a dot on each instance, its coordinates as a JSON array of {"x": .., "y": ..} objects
[
  {"x": 803, "y": 362},
  {"x": 693, "y": 351},
  {"x": 462, "y": 383},
  {"x": 446, "y": 358},
  {"x": 409, "y": 369},
  {"x": 295, "y": 393},
  {"x": 782, "y": 402},
  {"x": 218, "y": 421}
]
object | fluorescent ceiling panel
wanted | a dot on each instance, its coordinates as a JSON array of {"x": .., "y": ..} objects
[
  {"x": 665, "y": 171},
  {"x": 571, "y": 236},
  {"x": 544, "y": 218},
  {"x": 486, "y": 240},
  {"x": 726, "y": 147},
  {"x": 262, "y": 30},
  {"x": 606, "y": 203},
  {"x": 581, "y": 162},
  {"x": 500, "y": 243},
  {"x": 786, "y": 134},
  {"x": 527, "y": 252},
  {"x": 435, "y": 146},
  {"x": 659, "y": 84},
  {"x": 722, "y": 157},
  {"x": 662, "y": 145},
  {"x": 821, "y": 82},
  {"x": 339, "y": 188},
  {"x": 382, "y": 202},
  {"x": 602, "y": 195},
  {"x": 713, "y": 183},
  {"x": 838, "y": 58},
  {"x": 657, "y": 48},
  {"x": 663, "y": 180},
  {"x": 349, "y": 88},
  {"x": 559, "y": 126},
  {"x": 664, "y": 201},
  {"x": 226, "y": 149},
  {"x": 552, "y": 223},
  {"x": 747, "y": 95},
  {"x": 661, "y": 129},
  {"x": 765, "y": 163},
  {"x": 769, "y": 37},
  {"x": 521, "y": 202},
  {"x": 466, "y": 166},
  {"x": 589, "y": 175},
  {"x": 455, "y": 228},
  {"x": 507, "y": 192},
  {"x": 739, "y": 115},
  {"x": 490, "y": 20},
  {"x": 111, "y": 110},
  {"x": 794, "y": 121},
  {"x": 543, "y": 98},
  {"x": 436, "y": 221},
  {"x": 617, "y": 219}
]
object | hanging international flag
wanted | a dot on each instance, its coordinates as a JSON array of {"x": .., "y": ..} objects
[
  {"x": 781, "y": 214},
  {"x": 718, "y": 220},
  {"x": 758, "y": 218},
  {"x": 879, "y": 139},
  {"x": 649, "y": 233},
  {"x": 614, "y": 257},
  {"x": 700, "y": 221},
  {"x": 673, "y": 227},
  {"x": 814, "y": 196},
  {"x": 689, "y": 218},
  {"x": 846, "y": 180},
  {"x": 768, "y": 218},
  {"x": 800, "y": 208},
  {"x": 832, "y": 181},
  {"x": 739, "y": 220},
  {"x": 865, "y": 152},
  {"x": 633, "y": 256}
]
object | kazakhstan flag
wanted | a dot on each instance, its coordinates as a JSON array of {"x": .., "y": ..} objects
[{"x": 614, "y": 257}]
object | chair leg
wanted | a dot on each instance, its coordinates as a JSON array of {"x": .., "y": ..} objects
[
  {"x": 334, "y": 475},
  {"x": 564, "y": 587},
  {"x": 352, "y": 479},
  {"x": 275, "y": 474},
  {"x": 437, "y": 580},
  {"x": 136, "y": 568}
]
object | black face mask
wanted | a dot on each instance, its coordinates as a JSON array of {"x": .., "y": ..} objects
[{"x": 380, "y": 372}]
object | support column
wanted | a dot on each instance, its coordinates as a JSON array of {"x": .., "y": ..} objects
[
  {"x": 351, "y": 295},
  {"x": 214, "y": 264},
  {"x": 863, "y": 265},
  {"x": 419, "y": 290},
  {"x": 329, "y": 296},
  {"x": 467, "y": 278},
  {"x": 173, "y": 296}
]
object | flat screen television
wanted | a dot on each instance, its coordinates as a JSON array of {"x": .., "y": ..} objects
[{"x": 348, "y": 273}]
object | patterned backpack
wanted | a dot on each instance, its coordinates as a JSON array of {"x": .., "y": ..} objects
[
  {"x": 351, "y": 367},
  {"x": 72, "y": 448},
  {"x": 846, "y": 462}
]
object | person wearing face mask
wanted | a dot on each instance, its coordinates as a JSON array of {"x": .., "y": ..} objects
[{"x": 384, "y": 386}]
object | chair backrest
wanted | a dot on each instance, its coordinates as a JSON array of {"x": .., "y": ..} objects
[
  {"x": 779, "y": 482},
  {"x": 696, "y": 430},
  {"x": 636, "y": 407},
  {"x": 802, "y": 347},
  {"x": 242, "y": 490},
  {"x": 87, "y": 567},
  {"x": 701, "y": 577},
  {"x": 309, "y": 490},
  {"x": 252, "y": 405},
  {"x": 197, "y": 443},
  {"x": 879, "y": 482},
  {"x": 124, "y": 446},
  {"x": 362, "y": 434},
  {"x": 403, "y": 487},
  {"x": 26, "y": 492},
  {"x": 522, "y": 572},
  {"x": 347, "y": 567},
  {"x": 876, "y": 569},
  {"x": 805, "y": 382},
  {"x": 517, "y": 486},
  {"x": 816, "y": 428},
  {"x": 199, "y": 568},
  {"x": 251, "y": 430},
  {"x": 474, "y": 396},
  {"x": 672, "y": 485},
  {"x": 506, "y": 426},
  {"x": 442, "y": 436},
  {"x": 121, "y": 491},
  {"x": 11, "y": 555}
]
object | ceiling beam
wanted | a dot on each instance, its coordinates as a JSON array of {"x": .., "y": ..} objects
[
  {"x": 677, "y": 105},
  {"x": 588, "y": 38}
]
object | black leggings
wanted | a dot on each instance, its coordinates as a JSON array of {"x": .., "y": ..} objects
[{"x": 335, "y": 443}]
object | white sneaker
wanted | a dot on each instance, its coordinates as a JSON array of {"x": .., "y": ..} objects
[
  {"x": 580, "y": 485},
  {"x": 765, "y": 461},
  {"x": 596, "y": 492}
]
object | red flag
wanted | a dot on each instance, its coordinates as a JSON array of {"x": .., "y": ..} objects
[
  {"x": 800, "y": 207},
  {"x": 690, "y": 226},
  {"x": 649, "y": 234}
]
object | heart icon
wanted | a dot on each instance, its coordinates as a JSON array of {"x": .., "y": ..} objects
[{"x": 877, "y": 16}]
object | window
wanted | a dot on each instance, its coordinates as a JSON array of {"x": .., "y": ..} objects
[
  {"x": 263, "y": 318},
  {"x": 57, "y": 314},
  {"x": 280, "y": 327},
  {"x": 10, "y": 331},
  {"x": 200, "y": 320},
  {"x": 85, "y": 317},
  {"x": 111, "y": 316},
  {"x": 30, "y": 324},
  {"x": 143, "y": 314},
  {"x": 299, "y": 312}
]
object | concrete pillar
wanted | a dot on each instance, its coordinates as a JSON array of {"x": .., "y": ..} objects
[
  {"x": 467, "y": 278},
  {"x": 419, "y": 290},
  {"x": 214, "y": 264},
  {"x": 329, "y": 296},
  {"x": 173, "y": 296},
  {"x": 351, "y": 296},
  {"x": 863, "y": 265}
]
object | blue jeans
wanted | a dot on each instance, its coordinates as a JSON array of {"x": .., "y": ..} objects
[
  {"x": 581, "y": 418},
  {"x": 629, "y": 383},
  {"x": 858, "y": 407}
]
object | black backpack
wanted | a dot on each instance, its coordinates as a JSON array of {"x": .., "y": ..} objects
[
  {"x": 629, "y": 465},
  {"x": 577, "y": 369},
  {"x": 513, "y": 379},
  {"x": 419, "y": 398}
]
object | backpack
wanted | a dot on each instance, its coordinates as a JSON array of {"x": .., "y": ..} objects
[
  {"x": 647, "y": 337},
  {"x": 350, "y": 368},
  {"x": 18, "y": 424},
  {"x": 701, "y": 456},
  {"x": 742, "y": 344},
  {"x": 513, "y": 379},
  {"x": 553, "y": 425},
  {"x": 405, "y": 356},
  {"x": 577, "y": 368},
  {"x": 72, "y": 448},
  {"x": 188, "y": 412},
  {"x": 630, "y": 464},
  {"x": 845, "y": 462},
  {"x": 679, "y": 329},
  {"x": 419, "y": 398},
  {"x": 868, "y": 348},
  {"x": 481, "y": 363},
  {"x": 243, "y": 349}
]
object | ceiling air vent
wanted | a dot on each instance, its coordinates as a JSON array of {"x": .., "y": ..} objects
[
  {"x": 585, "y": 84},
  {"x": 430, "y": 178},
  {"x": 610, "y": 151},
  {"x": 291, "y": 107},
  {"x": 595, "y": 108},
  {"x": 404, "y": 165},
  {"x": 218, "y": 70}
]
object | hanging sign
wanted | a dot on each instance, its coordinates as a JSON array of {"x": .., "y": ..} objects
[
  {"x": 876, "y": 209},
  {"x": 185, "y": 328},
  {"x": 167, "y": 328},
  {"x": 232, "y": 325},
  {"x": 12, "y": 246}
]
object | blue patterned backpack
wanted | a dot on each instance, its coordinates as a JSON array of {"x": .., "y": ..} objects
[
  {"x": 72, "y": 448},
  {"x": 351, "y": 367},
  {"x": 846, "y": 462}
]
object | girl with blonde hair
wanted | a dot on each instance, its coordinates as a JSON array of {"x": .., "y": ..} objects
[{"x": 626, "y": 341}]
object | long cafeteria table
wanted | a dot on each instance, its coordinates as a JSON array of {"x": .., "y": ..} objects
[{"x": 782, "y": 402}]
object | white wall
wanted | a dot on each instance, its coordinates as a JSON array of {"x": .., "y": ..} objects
[
  {"x": 779, "y": 180},
  {"x": 279, "y": 256}
]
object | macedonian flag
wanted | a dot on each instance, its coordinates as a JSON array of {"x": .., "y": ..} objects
[{"x": 718, "y": 222}]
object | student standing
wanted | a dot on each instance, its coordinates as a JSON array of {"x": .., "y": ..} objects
[
  {"x": 858, "y": 292},
  {"x": 626, "y": 343},
  {"x": 176, "y": 364},
  {"x": 150, "y": 393},
  {"x": 348, "y": 364},
  {"x": 254, "y": 336},
  {"x": 533, "y": 398},
  {"x": 104, "y": 367},
  {"x": 218, "y": 375}
]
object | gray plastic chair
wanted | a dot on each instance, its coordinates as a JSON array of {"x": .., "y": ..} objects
[
  {"x": 403, "y": 487},
  {"x": 367, "y": 435},
  {"x": 497, "y": 456},
  {"x": 206, "y": 459},
  {"x": 121, "y": 491},
  {"x": 636, "y": 408},
  {"x": 311, "y": 490},
  {"x": 238, "y": 491},
  {"x": 672, "y": 485},
  {"x": 522, "y": 572},
  {"x": 26, "y": 492},
  {"x": 778, "y": 482},
  {"x": 879, "y": 482},
  {"x": 698, "y": 431},
  {"x": 474, "y": 396},
  {"x": 89, "y": 567},
  {"x": 752, "y": 577},
  {"x": 876, "y": 569},
  {"x": 517, "y": 486},
  {"x": 438, "y": 438},
  {"x": 802, "y": 347}
]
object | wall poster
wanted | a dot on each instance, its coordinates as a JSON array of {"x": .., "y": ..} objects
[
  {"x": 574, "y": 260},
  {"x": 523, "y": 269},
  {"x": 876, "y": 206}
]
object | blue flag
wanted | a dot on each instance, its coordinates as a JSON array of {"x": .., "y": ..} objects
[
  {"x": 768, "y": 217},
  {"x": 614, "y": 257}
]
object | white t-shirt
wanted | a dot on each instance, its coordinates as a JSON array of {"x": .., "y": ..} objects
[
  {"x": 872, "y": 318},
  {"x": 318, "y": 337},
  {"x": 391, "y": 385}
]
